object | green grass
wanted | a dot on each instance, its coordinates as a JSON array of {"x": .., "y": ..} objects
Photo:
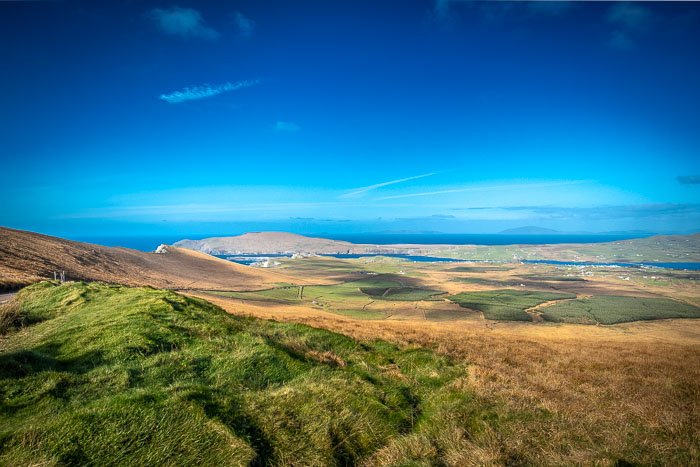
[
  {"x": 484, "y": 281},
  {"x": 410, "y": 294},
  {"x": 606, "y": 309},
  {"x": 111, "y": 375},
  {"x": 506, "y": 304},
  {"x": 279, "y": 294},
  {"x": 480, "y": 269},
  {"x": 376, "y": 264}
]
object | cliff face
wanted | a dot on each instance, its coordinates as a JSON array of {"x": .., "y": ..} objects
[{"x": 287, "y": 243}]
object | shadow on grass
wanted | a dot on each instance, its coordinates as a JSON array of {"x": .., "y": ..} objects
[{"x": 232, "y": 415}]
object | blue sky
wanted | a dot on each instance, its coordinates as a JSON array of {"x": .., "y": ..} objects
[{"x": 360, "y": 116}]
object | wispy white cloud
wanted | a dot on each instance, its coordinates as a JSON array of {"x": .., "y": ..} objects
[
  {"x": 184, "y": 22},
  {"x": 200, "y": 92},
  {"x": 195, "y": 209},
  {"x": 486, "y": 188},
  {"x": 630, "y": 21},
  {"x": 245, "y": 25},
  {"x": 359, "y": 191},
  {"x": 287, "y": 126},
  {"x": 635, "y": 211}
]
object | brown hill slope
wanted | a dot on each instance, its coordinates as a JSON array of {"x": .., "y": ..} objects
[{"x": 25, "y": 254}]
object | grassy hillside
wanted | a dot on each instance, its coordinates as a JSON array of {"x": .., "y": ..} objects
[
  {"x": 24, "y": 256},
  {"x": 95, "y": 374},
  {"x": 104, "y": 374}
]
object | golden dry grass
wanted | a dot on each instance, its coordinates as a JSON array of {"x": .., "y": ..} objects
[
  {"x": 25, "y": 255},
  {"x": 610, "y": 392},
  {"x": 15, "y": 282},
  {"x": 10, "y": 316}
]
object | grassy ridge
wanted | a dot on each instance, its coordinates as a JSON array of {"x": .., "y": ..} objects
[
  {"x": 606, "y": 309},
  {"x": 506, "y": 304},
  {"x": 108, "y": 374}
]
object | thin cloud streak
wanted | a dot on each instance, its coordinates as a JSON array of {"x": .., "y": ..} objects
[
  {"x": 201, "y": 92},
  {"x": 485, "y": 188},
  {"x": 195, "y": 208},
  {"x": 359, "y": 191}
]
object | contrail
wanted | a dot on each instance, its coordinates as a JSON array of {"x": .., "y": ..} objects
[{"x": 358, "y": 191}]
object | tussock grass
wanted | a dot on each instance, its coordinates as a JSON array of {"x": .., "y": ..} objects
[
  {"x": 108, "y": 374},
  {"x": 8, "y": 284},
  {"x": 548, "y": 399},
  {"x": 11, "y": 316}
]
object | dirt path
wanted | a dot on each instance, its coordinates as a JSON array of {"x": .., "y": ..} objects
[
  {"x": 535, "y": 312},
  {"x": 6, "y": 297}
]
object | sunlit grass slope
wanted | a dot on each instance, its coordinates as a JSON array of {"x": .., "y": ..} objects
[{"x": 104, "y": 374}]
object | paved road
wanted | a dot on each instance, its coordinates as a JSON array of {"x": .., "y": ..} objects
[{"x": 6, "y": 297}]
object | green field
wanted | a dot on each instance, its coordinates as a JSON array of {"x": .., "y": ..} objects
[
  {"x": 375, "y": 264},
  {"x": 485, "y": 281},
  {"x": 480, "y": 269},
  {"x": 101, "y": 374},
  {"x": 553, "y": 278},
  {"x": 399, "y": 293},
  {"x": 506, "y": 304},
  {"x": 278, "y": 294},
  {"x": 606, "y": 309},
  {"x": 347, "y": 298}
]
